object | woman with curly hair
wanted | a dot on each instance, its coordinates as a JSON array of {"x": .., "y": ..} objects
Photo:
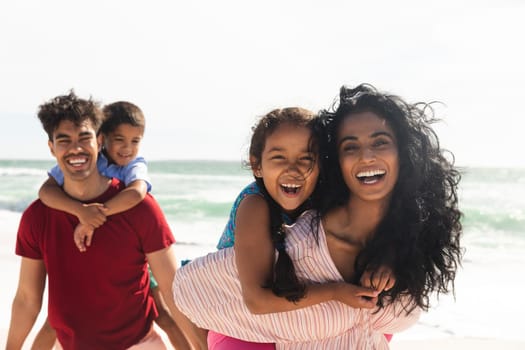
[
  {"x": 397, "y": 181},
  {"x": 389, "y": 199}
]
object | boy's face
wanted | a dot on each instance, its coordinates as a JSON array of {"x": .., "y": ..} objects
[{"x": 122, "y": 144}]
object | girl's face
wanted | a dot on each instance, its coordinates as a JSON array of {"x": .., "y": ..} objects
[
  {"x": 368, "y": 156},
  {"x": 122, "y": 144},
  {"x": 287, "y": 167}
]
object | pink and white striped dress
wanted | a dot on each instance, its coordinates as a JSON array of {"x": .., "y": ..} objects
[{"x": 208, "y": 292}]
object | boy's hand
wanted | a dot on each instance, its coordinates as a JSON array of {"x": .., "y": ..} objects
[
  {"x": 82, "y": 236},
  {"x": 92, "y": 214},
  {"x": 356, "y": 296},
  {"x": 381, "y": 280}
]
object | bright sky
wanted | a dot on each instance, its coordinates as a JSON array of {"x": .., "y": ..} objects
[{"x": 202, "y": 71}]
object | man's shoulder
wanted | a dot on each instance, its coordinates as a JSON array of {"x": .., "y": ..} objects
[
  {"x": 36, "y": 212},
  {"x": 113, "y": 189},
  {"x": 148, "y": 204},
  {"x": 36, "y": 205},
  {"x": 146, "y": 215},
  {"x": 149, "y": 201}
]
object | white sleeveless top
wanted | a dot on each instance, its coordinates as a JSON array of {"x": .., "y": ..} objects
[{"x": 208, "y": 292}]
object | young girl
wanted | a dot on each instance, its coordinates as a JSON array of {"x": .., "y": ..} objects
[
  {"x": 284, "y": 161},
  {"x": 389, "y": 200},
  {"x": 122, "y": 131}
]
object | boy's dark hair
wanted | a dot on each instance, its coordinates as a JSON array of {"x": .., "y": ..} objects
[
  {"x": 68, "y": 107},
  {"x": 284, "y": 280},
  {"x": 121, "y": 112}
]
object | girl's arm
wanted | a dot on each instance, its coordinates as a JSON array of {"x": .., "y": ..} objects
[
  {"x": 255, "y": 256},
  {"x": 126, "y": 199},
  {"x": 53, "y": 196}
]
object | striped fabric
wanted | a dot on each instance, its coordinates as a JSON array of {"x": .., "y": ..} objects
[{"x": 208, "y": 292}]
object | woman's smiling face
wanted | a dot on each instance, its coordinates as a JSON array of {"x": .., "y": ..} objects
[{"x": 368, "y": 156}]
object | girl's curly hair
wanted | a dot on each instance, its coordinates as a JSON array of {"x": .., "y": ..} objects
[{"x": 419, "y": 237}]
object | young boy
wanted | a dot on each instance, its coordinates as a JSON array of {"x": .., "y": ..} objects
[{"x": 122, "y": 131}]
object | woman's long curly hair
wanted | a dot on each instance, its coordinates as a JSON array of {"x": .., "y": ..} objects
[{"x": 419, "y": 236}]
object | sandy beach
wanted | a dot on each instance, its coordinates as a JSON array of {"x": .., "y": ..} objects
[
  {"x": 417, "y": 337},
  {"x": 457, "y": 344}
]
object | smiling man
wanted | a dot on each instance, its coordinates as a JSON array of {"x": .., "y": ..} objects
[{"x": 99, "y": 299}]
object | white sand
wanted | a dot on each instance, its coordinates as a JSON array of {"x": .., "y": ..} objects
[
  {"x": 458, "y": 344},
  {"x": 417, "y": 337}
]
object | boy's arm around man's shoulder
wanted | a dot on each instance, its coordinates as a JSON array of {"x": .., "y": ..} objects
[
  {"x": 135, "y": 170},
  {"x": 126, "y": 199},
  {"x": 52, "y": 195},
  {"x": 135, "y": 176}
]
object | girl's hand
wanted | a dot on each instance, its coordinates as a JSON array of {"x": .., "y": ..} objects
[
  {"x": 356, "y": 296},
  {"x": 381, "y": 280},
  {"x": 82, "y": 236}
]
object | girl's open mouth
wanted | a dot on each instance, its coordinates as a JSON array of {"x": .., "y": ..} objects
[{"x": 290, "y": 188}]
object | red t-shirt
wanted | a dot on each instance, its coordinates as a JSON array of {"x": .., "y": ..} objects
[{"x": 99, "y": 299}]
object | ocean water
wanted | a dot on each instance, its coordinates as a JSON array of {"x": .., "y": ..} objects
[{"x": 196, "y": 197}]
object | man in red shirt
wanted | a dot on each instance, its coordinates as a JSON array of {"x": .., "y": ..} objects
[{"x": 98, "y": 299}]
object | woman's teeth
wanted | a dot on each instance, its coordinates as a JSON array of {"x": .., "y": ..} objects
[{"x": 370, "y": 176}]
